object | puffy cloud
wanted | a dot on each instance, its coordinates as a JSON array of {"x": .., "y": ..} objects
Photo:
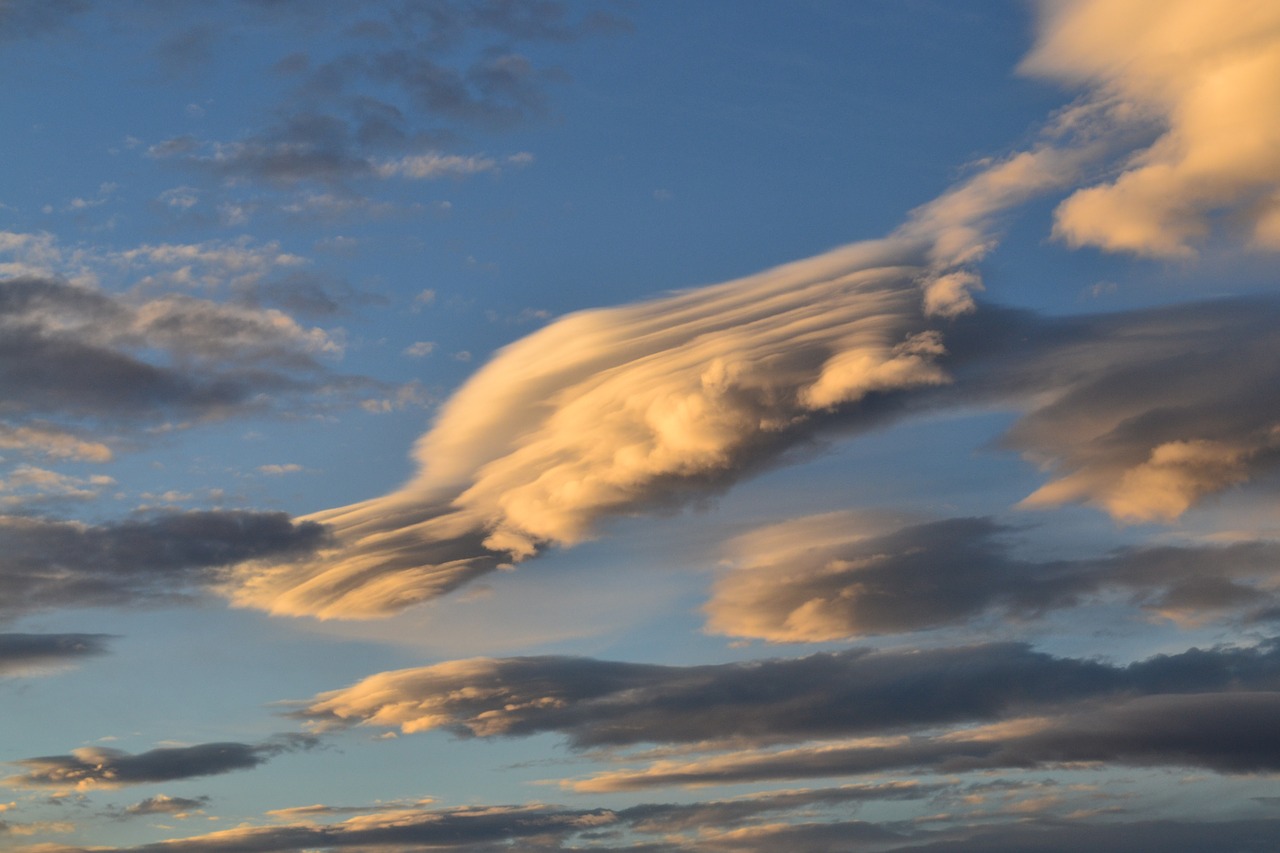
[
  {"x": 25, "y": 653},
  {"x": 1209, "y": 78},
  {"x": 148, "y": 559},
  {"x": 99, "y": 767},
  {"x": 1227, "y": 732},
  {"x": 843, "y": 575},
  {"x": 599, "y": 703}
]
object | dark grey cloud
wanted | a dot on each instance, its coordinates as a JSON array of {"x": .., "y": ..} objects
[
  {"x": 1140, "y": 413},
  {"x": 23, "y": 652},
  {"x": 151, "y": 559},
  {"x": 92, "y": 766},
  {"x": 856, "y": 692},
  {"x": 949, "y": 572},
  {"x": 1152, "y": 836},
  {"x": 1226, "y": 732},
  {"x": 80, "y": 355}
]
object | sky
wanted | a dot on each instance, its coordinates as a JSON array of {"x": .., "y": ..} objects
[{"x": 649, "y": 426}]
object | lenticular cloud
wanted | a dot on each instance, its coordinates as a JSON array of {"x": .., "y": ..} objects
[{"x": 613, "y": 411}]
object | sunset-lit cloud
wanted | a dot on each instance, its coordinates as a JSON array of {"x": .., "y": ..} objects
[
  {"x": 1209, "y": 79},
  {"x": 838, "y": 429}
]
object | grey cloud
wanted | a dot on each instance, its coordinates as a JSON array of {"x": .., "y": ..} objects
[
  {"x": 855, "y": 692},
  {"x": 949, "y": 572},
  {"x": 21, "y": 652},
  {"x": 549, "y": 827},
  {"x": 1141, "y": 413},
  {"x": 329, "y": 132},
  {"x": 1227, "y": 732},
  {"x": 162, "y": 557},
  {"x": 307, "y": 294},
  {"x": 74, "y": 352},
  {"x": 1154, "y": 836},
  {"x": 92, "y": 766},
  {"x": 164, "y": 804},
  {"x": 664, "y": 818}
]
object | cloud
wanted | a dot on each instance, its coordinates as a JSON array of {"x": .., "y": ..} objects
[
  {"x": 75, "y": 358},
  {"x": 433, "y": 165},
  {"x": 444, "y": 71},
  {"x": 1141, "y": 413},
  {"x": 150, "y": 559},
  {"x": 551, "y": 827},
  {"x": 277, "y": 470},
  {"x": 1209, "y": 79},
  {"x": 1226, "y": 732},
  {"x": 862, "y": 692},
  {"x": 22, "y": 654},
  {"x": 53, "y": 442},
  {"x": 614, "y": 411},
  {"x": 794, "y": 820},
  {"x": 843, "y": 575},
  {"x": 99, "y": 767},
  {"x": 179, "y": 807}
]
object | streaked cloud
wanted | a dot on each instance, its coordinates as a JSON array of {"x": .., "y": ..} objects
[
  {"x": 153, "y": 558},
  {"x": 842, "y": 575},
  {"x": 1223, "y": 731},
  {"x": 100, "y": 767},
  {"x": 854, "y": 692}
]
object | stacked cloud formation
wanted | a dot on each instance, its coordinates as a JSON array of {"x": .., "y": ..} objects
[{"x": 615, "y": 411}]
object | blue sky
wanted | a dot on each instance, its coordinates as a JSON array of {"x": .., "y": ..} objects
[{"x": 513, "y": 424}]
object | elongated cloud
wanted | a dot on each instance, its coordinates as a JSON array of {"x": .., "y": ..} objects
[
  {"x": 1226, "y": 732},
  {"x": 23, "y": 653},
  {"x": 1209, "y": 77},
  {"x": 596, "y": 703},
  {"x": 800, "y": 821},
  {"x": 99, "y": 767},
  {"x": 609, "y": 412},
  {"x": 843, "y": 575},
  {"x": 162, "y": 557}
]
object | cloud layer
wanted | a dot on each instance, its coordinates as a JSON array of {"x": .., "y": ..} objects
[{"x": 855, "y": 692}]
